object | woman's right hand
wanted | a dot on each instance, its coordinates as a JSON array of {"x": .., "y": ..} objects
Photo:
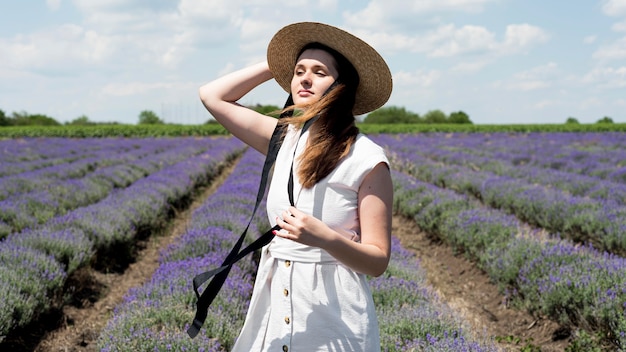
[{"x": 220, "y": 98}]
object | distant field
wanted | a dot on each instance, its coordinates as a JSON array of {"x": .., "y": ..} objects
[{"x": 216, "y": 129}]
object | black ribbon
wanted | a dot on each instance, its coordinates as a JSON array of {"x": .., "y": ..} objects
[{"x": 219, "y": 274}]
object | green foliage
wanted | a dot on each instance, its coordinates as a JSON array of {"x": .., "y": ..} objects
[
  {"x": 572, "y": 120},
  {"x": 605, "y": 119},
  {"x": 270, "y": 110},
  {"x": 148, "y": 117},
  {"x": 208, "y": 129},
  {"x": 435, "y": 116},
  {"x": 159, "y": 328},
  {"x": 70, "y": 246},
  {"x": 471, "y": 128},
  {"x": 4, "y": 119},
  {"x": 82, "y": 120},
  {"x": 98, "y": 131},
  {"x": 409, "y": 311},
  {"x": 399, "y": 115},
  {"x": 392, "y": 114},
  {"x": 24, "y": 292},
  {"x": 25, "y": 119},
  {"x": 583, "y": 342},
  {"x": 517, "y": 341},
  {"x": 459, "y": 117}
]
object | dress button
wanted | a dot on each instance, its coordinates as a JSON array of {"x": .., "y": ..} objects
[
  {"x": 287, "y": 320},
  {"x": 287, "y": 263},
  {"x": 285, "y": 348},
  {"x": 286, "y": 292}
]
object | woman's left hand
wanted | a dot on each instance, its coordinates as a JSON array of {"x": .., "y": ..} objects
[{"x": 303, "y": 228}]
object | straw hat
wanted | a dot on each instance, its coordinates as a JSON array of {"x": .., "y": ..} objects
[{"x": 374, "y": 76}]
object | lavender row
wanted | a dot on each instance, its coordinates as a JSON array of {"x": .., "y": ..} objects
[
  {"x": 601, "y": 222},
  {"x": 213, "y": 229},
  {"x": 98, "y": 176},
  {"x": 599, "y": 155},
  {"x": 412, "y": 317},
  {"x": 110, "y": 225},
  {"x": 36, "y": 262},
  {"x": 94, "y": 155},
  {"x": 578, "y": 286},
  {"x": 156, "y": 315},
  {"x": 506, "y": 163},
  {"x": 29, "y": 154},
  {"x": 73, "y": 158}
]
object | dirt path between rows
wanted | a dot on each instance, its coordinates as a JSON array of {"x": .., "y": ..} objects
[
  {"x": 464, "y": 287},
  {"x": 469, "y": 291}
]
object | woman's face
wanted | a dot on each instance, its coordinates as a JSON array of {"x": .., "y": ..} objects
[{"x": 315, "y": 71}]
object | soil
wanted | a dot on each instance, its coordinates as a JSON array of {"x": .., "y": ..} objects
[
  {"x": 469, "y": 291},
  {"x": 75, "y": 327}
]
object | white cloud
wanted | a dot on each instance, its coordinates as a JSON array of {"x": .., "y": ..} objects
[
  {"x": 543, "y": 71},
  {"x": 471, "y": 66},
  {"x": 519, "y": 37},
  {"x": 619, "y": 26},
  {"x": 61, "y": 49},
  {"x": 539, "y": 77},
  {"x": 230, "y": 67},
  {"x": 211, "y": 10},
  {"x": 606, "y": 77},
  {"x": 401, "y": 26},
  {"x": 396, "y": 26},
  {"x": 528, "y": 85},
  {"x": 591, "y": 102},
  {"x": 450, "y": 41},
  {"x": 448, "y": 5},
  {"x": 386, "y": 13},
  {"x": 614, "y": 7},
  {"x": 590, "y": 39},
  {"x": 419, "y": 78},
  {"x": 53, "y": 5},
  {"x": 125, "y": 35},
  {"x": 542, "y": 104},
  {"x": 613, "y": 51},
  {"x": 131, "y": 88},
  {"x": 418, "y": 89}
]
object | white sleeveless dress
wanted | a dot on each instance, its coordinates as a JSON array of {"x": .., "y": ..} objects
[{"x": 304, "y": 300}]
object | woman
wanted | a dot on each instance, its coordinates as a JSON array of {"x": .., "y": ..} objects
[{"x": 311, "y": 292}]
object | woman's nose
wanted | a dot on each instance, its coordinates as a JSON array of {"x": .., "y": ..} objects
[{"x": 305, "y": 79}]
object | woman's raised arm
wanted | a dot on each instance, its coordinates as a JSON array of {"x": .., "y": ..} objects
[{"x": 220, "y": 98}]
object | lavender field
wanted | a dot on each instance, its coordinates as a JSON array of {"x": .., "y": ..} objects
[
  {"x": 70, "y": 203},
  {"x": 543, "y": 214}
]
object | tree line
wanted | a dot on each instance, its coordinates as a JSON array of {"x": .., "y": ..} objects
[
  {"x": 395, "y": 114},
  {"x": 384, "y": 115},
  {"x": 390, "y": 115},
  {"x": 146, "y": 117}
]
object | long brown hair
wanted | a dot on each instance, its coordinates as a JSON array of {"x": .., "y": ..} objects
[{"x": 335, "y": 131}]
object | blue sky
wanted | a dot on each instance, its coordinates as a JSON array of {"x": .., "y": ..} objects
[{"x": 500, "y": 61}]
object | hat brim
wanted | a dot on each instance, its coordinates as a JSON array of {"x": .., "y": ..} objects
[{"x": 375, "y": 82}]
